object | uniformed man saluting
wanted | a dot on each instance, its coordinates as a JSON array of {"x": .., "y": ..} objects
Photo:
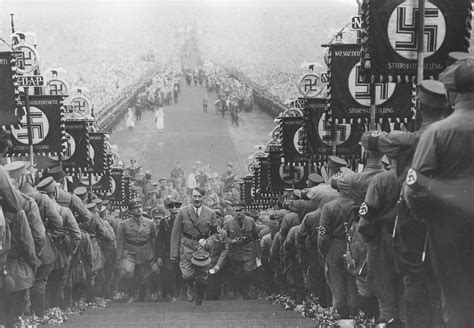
[
  {"x": 194, "y": 223},
  {"x": 136, "y": 248}
]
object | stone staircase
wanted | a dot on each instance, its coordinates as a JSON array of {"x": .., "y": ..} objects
[{"x": 211, "y": 314}]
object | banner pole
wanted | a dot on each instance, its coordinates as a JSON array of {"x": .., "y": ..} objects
[
  {"x": 372, "y": 124},
  {"x": 421, "y": 39},
  {"x": 28, "y": 123}
]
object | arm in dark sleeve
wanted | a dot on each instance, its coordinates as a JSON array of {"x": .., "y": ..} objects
[
  {"x": 26, "y": 239},
  {"x": 324, "y": 235},
  {"x": 153, "y": 240},
  {"x": 83, "y": 214},
  {"x": 159, "y": 244},
  {"x": 176, "y": 235},
  {"x": 73, "y": 229},
  {"x": 302, "y": 234},
  {"x": 275, "y": 249},
  {"x": 256, "y": 240},
  {"x": 87, "y": 253},
  {"x": 35, "y": 223},
  {"x": 54, "y": 221}
]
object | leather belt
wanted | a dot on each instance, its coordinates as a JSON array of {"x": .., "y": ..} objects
[
  {"x": 189, "y": 236},
  {"x": 136, "y": 243}
]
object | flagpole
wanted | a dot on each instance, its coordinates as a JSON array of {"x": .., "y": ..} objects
[
  {"x": 28, "y": 123},
  {"x": 421, "y": 39}
]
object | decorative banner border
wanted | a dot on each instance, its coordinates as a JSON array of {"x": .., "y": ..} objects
[
  {"x": 349, "y": 95},
  {"x": 322, "y": 136},
  {"x": 285, "y": 174},
  {"x": 47, "y": 125},
  {"x": 76, "y": 147},
  {"x": 389, "y": 37},
  {"x": 9, "y": 95},
  {"x": 98, "y": 160},
  {"x": 291, "y": 127},
  {"x": 116, "y": 194}
]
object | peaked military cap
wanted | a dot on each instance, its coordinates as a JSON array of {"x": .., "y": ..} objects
[
  {"x": 16, "y": 169},
  {"x": 459, "y": 77},
  {"x": 201, "y": 258},
  {"x": 315, "y": 178},
  {"x": 335, "y": 161},
  {"x": 46, "y": 185},
  {"x": 56, "y": 172},
  {"x": 91, "y": 206},
  {"x": 134, "y": 203},
  {"x": 80, "y": 191},
  {"x": 433, "y": 94}
]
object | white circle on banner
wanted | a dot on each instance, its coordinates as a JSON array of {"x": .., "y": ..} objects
[
  {"x": 403, "y": 26},
  {"x": 329, "y": 136},
  {"x": 296, "y": 139},
  {"x": 70, "y": 146},
  {"x": 39, "y": 127},
  {"x": 26, "y": 60},
  {"x": 360, "y": 91},
  {"x": 57, "y": 87},
  {"x": 84, "y": 179},
  {"x": 112, "y": 187}
]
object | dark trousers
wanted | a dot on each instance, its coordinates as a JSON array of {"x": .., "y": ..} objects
[
  {"x": 12, "y": 306},
  {"x": 38, "y": 291},
  {"x": 55, "y": 288}
]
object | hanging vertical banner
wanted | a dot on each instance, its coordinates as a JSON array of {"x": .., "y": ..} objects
[
  {"x": 286, "y": 175},
  {"x": 115, "y": 194},
  {"x": 263, "y": 180},
  {"x": 349, "y": 95},
  {"x": 246, "y": 190},
  {"x": 47, "y": 127},
  {"x": 323, "y": 135},
  {"x": 291, "y": 127},
  {"x": 390, "y": 36},
  {"x": 97, "y": 155},
  {"x": 101, "y": 185},
  {"x": 9, "y": 97},
  {"x": 76, "y": 154}
]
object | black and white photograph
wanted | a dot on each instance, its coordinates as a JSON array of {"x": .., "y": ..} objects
[{"x": 236, "y": 163}]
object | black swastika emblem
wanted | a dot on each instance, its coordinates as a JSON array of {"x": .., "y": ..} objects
[
  {"x": 360, "y": 90},
  {"x": 330, "y": 135},
  {"x": 291, "y": 174},
  {"x": 39, "y": 127},
  {"x": 309, "y": 86},
  {"x": 403, "y": 28},
  {"x": 26, "y": 60}
]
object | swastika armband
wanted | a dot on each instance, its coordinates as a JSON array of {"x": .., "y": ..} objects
[
  {"x": 322, "y": 231},
  {"x": 417, "y": 181},
  {"x": 367, "y": 211}
]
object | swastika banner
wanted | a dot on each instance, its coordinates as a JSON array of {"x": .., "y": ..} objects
[
  {"x": 101, "y": 185},
  {"x": 286, "y": 175},
  {"x": 349, "y": 95},
  {"x": 76, "y": 154},
  {"x": 290, "y": 139},
  {"x": 8, "y": 92},
  {"x": 47, "y": 127},
  {"x": 116, "y": 193},
  {"x": 322, "y": 135},
  {"x": 97, "y": 153},
  {"x": 390, "y": 36}
]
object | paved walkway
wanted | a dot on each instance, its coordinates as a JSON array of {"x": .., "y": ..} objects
[
  {"x": 191, "y": 135},
  {"x": 211, "y": 314}
]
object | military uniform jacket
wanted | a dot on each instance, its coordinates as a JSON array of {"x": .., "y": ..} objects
[
  {"x": 21, "y": 257},
  {"x": 75, "y": 204},
  {"x": 163, "y": 239},
  {"x": 182, "y": 227},
  {"x": 302, "y": 207},
  {"x": 35, "y": 223},
  {"x": 307, "y": 235},
  {"x": 69, "y": 243},
  {"x": 265, "y": 246},
  {"x": 289, "y": 246},
  {"x": 381, "y": 199},
  {"x": 136, "y": 237},
  {"x": 249, "y": 247},
  {"x": 52, "y": 221},
  {"x": 333, "y": 217}
]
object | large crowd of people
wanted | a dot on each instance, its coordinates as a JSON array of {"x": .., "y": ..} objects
[{"x": 349, "y": 239}]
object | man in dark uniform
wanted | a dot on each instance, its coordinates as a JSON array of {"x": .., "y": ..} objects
[
  {"x": 193, "y": 224},
  {"x": 421, "y": 293},
  {"x": 439, "y": 191},
  {"x": 136, "y": 248},
  {"x": 69, "y": 200},
  {"x": 163, "y": 241},
  {"x": 65, "y": 247},
  {"x": 228, "y": 177},
  {"x": 244, "y": 253},
  {"x": 336, "y": 218}
]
